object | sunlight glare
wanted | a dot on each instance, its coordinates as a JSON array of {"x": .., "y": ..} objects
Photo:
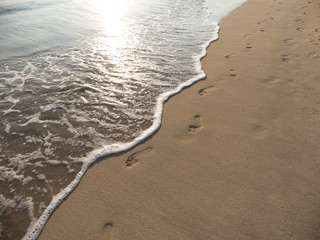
[{"x": 112, "y": 12}]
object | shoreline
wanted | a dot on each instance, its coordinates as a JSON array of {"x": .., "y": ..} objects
[
  {"x": 218, "y": 164},
  {"x": 116, "y": 149}
]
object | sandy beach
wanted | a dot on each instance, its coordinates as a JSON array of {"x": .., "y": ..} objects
[{"x": 237, "y": 155}]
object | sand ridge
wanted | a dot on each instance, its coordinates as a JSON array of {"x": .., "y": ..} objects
[{"x": 237, "y": 156}]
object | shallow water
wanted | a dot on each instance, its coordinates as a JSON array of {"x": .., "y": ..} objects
[{"x": 81, "y": 79}]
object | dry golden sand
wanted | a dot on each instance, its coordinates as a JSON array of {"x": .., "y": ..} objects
[{"x": 237, "y": 156}]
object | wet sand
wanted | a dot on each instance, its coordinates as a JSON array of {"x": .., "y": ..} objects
[{"x": 237, "y": 156}]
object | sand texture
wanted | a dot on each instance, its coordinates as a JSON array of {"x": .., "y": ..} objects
[{"x": 237, "y": 156}]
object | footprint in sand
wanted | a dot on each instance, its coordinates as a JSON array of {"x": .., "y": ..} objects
[
  {"x": 288, "y": 41},
  {"x": 108, "y": 230},
  {"x": 285, "y": 58},
  {"x": 258, "y": 130},
  {"x": 271, "y": 81},
  {"x": 229, "y": 56},
  {"x": 233, "y": 73},
  {"x": 134, "y": 158},
  {"x": 299, "y": 20},
  {"x": 249, "y": 47},
  {"x": 265, "y": 20},
  {"x": 314, "y": 41},
  {"x": 205, "y": 90},
  {"x": 313, "y": 54},
  {"x": 262, "y": 21},
  {"x": 195, "y": 125}
]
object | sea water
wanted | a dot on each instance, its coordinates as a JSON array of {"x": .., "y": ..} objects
[{"x": 82, "y": 79}]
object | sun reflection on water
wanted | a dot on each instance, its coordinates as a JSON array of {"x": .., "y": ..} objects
[
  {"x": 112, "y": 13},
  {"x": 117, "y": 38}
]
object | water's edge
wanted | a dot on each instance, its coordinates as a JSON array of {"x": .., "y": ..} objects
[{"x": 35, "y": 228}]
